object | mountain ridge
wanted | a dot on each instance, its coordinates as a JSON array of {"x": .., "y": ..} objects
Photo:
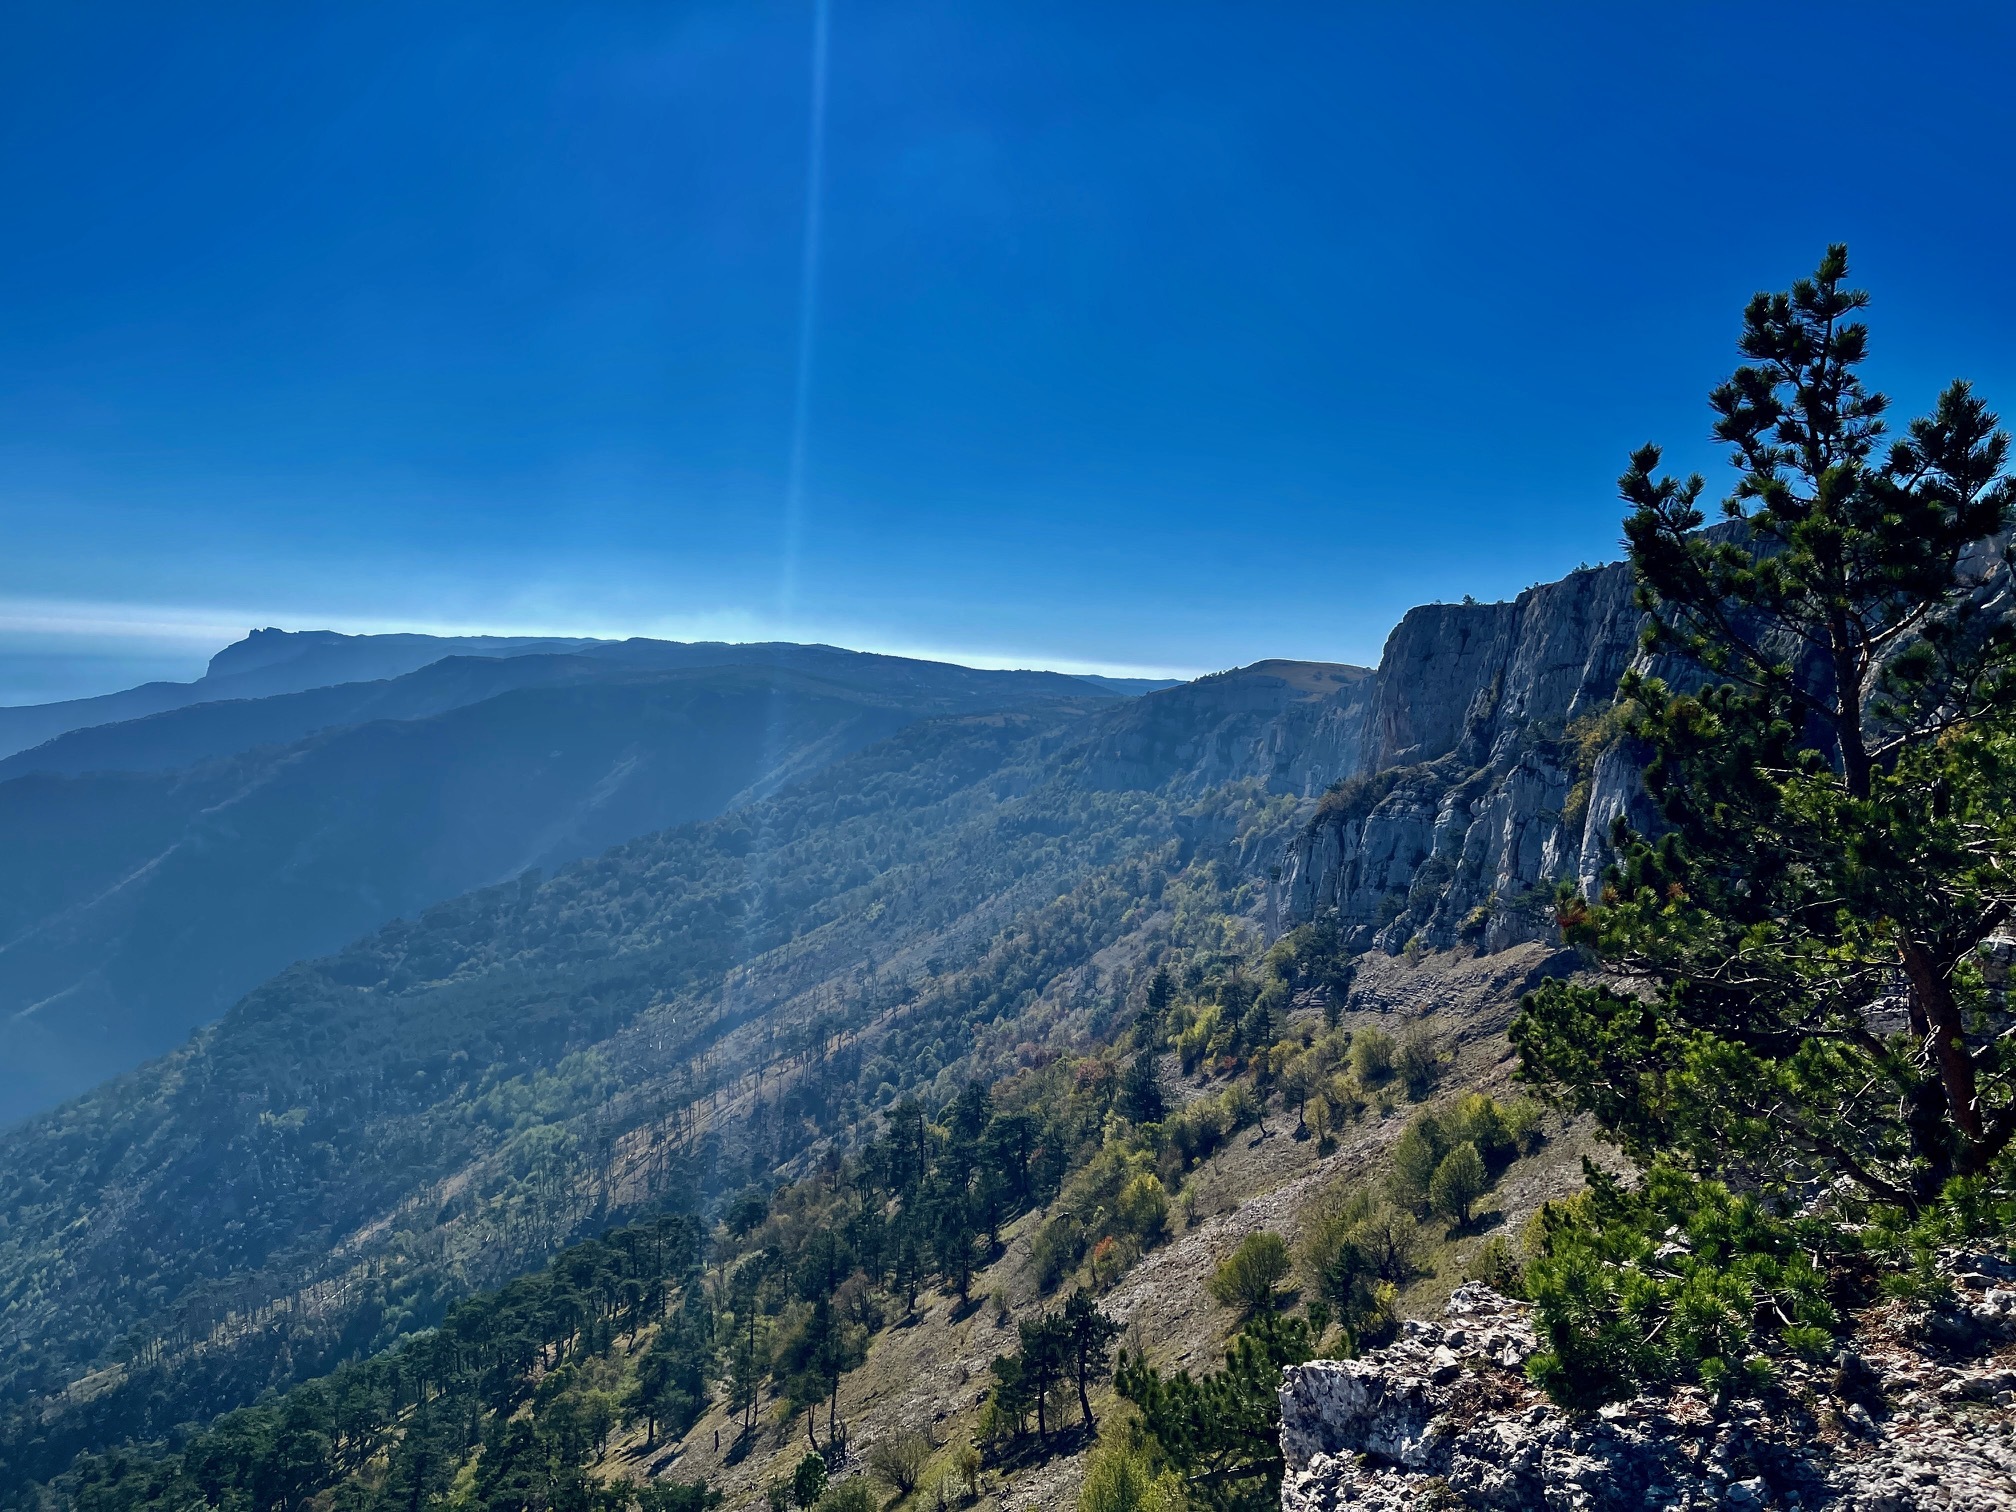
[{"x": 271, "y": 662}]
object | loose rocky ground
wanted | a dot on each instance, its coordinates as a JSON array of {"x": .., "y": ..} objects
[{"x": 1918, "y": 1416}]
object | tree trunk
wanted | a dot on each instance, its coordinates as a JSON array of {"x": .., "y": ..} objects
[
  {"x": 1931, "y": 1138},
  {"x": 1949, "y": 1049}
]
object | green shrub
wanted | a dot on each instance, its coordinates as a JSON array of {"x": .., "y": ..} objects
[
  {"x": 1418, "y": 1062},
  {"x": 1246, "y": 1279},
  {"x": 1242, "y": 1106},
  {"x": 1372, "y": 1057},
  {"x": 898, "y": 1461},
  {"x": 1622, "y": 1306},
  {"x": 850, "y": 1496},
  {"x": 1142, "y": 1210},
  {"x": 1058, "y": 1247},
  {"x": 1521, "y": 1117},
  {"x": 1458, "y": 1182},
  {"x": 1479, "y": 1121},
  {"x": 1122, "y": 1478},
  {"x": 1498, "y": 1266},
  {"x": 1194, "y": 1041}
]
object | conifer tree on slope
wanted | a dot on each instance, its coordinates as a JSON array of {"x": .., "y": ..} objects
[{"x": 1798, "y": 988}]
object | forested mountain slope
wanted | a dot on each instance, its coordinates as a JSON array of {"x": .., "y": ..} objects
[
  {"x": 447, "y": 1100},
  {"x": 343, "y": 1087},
  {"x": 139, "y": 905},
  {"x": 442, "y": 1104}
]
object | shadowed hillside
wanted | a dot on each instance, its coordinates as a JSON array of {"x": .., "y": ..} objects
[{"x": 142, "y": 903}]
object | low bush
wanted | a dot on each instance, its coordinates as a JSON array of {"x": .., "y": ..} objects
[
  {"x": 1666, "y": 1284},
  {"x": 1458, "y": 1182},
  {"x": 849, "y": 1496},
  {"x": 899, "y": 1460},
  {"x": 1247, "y": 1278},
  {"x": 1372, "y": 1057},
  {"x": 1123, "y": 1477},
  {"x": 1418, "y": 1064}
]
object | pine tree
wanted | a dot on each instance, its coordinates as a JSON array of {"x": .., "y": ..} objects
[
  {"x": 1161, "y": 992},
  {"x": 808, "y": 1481},
  {"x": 1089, "y": 1336},
  {"x": 1141, "y": 1097},
  {"x": 1798, "y": 986},
  {"x": 1222, "y": 1432},
  {"x": 1045, "y": 1356}
]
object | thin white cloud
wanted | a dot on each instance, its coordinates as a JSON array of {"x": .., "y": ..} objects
[{"x": 74, "y": 619}]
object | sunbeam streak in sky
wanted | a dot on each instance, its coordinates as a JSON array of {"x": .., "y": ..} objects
[
  {"x": 808, "y": 320},
  {"x": 794, "y": 483}
]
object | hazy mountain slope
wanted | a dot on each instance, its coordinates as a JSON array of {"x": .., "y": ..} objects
[
  {"x": 206, "y": 731},
  {"x": 264, "y": 663},
  {"x": 275, "y": 661},
  {"x": 872, "y": 670},
  {"x": 280, "y": 685},
  {"x": 1129, "y": 685},
  {"x": 226, "y": 726},
  {"x": 140, "y": 905},
  {"x": 455, "y": 1096}
]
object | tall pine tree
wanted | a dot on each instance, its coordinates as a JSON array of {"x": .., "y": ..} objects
[{"x": 1798, "y": 986}]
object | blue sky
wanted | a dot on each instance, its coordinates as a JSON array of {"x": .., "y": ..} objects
[{"x": 1140, "y": 337}]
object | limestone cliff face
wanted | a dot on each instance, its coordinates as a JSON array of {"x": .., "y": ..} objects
[
  {"x": 1456, "y": 784},
  {"x": 1482, "y": 777}
]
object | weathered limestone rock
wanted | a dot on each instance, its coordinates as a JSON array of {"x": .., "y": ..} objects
[
  {"x": 1444, "y": 1419},
  {"x": 1476, "y": 702}
]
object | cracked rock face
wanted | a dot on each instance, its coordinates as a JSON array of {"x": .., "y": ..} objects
[
  {"x": 1475, "y": 702},
  {"x": 1444, "y": 1419}
]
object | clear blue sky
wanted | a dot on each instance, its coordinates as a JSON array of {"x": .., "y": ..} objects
[{"x": 1163, "y": 336}]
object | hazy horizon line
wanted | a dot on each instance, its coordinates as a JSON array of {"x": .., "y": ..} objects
[{"x": 79, "y": 630}]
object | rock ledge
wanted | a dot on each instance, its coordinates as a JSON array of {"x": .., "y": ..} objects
[{"x": 1444, "y": 1419}]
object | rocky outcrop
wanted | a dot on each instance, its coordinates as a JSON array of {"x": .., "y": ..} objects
[
  {"x": 1444, "y": 1418},
  {"x": 1461, "y": 780},
  {"x": 1457, "y": 780},
  {"x": 1484, "y": 776}
]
